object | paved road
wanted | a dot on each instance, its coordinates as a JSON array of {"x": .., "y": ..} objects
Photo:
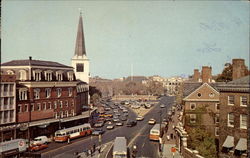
[{"x": 137, "y": 134}]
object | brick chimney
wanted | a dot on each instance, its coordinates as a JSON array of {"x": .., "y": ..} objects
[
  {"x": 239, "y": 68},
  {"x": 196, "y": 75},
  {"x": 206, "y": 74}
]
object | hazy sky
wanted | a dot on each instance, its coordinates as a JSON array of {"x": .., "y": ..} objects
[{"x": 165, "y": 38}]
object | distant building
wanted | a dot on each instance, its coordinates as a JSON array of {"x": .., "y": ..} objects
[
  {"x": 239, "y": 68},
  {"x": 204, "y": 76},
  {"x": 234, "y": 118}
]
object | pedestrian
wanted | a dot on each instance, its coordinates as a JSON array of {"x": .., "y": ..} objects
[
  {"x": 99, "y": 149},
  {"x": 94, "y": 148},
  {"x": 68, "y": 140}
]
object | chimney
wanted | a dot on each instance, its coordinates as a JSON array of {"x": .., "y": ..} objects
[
  {"x": 206, "y": 74},
  {"x": 239, "y": 68},
  {"x": 196, "y": 75},
  {"x": 30, "y": 57}
]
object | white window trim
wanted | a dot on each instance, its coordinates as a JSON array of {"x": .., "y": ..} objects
[
  {"x": 39, "y": 107},
  {"x": 242, "y": 127},
  {"x": 228, "y": 100},
  {"x": 48, "y": 90},
  {"x": 59, "y": 94},
  {"x": 241, "y": 101},
  {"x": 216, "y": 131},
  {"x": 32, "y": 107},
  {"x": 36, "y": 93},
  {"x": 21, "y": 110},
  {"x": 193, "y": 118},
  {"x": 228, "y": 124},
  {"x": 216, "y": 106}
]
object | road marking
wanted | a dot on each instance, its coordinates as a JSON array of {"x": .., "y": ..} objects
[
  {"x": 109, "y": 149},
  {"x": 139, "y": 133}
]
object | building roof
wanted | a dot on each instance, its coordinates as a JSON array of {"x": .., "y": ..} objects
[
  {"x": 80, "y": 45},
  {"x": 239, "y": 85},
  {"x": 189, "y": 87},
  {"x": 34, "y": 63}
]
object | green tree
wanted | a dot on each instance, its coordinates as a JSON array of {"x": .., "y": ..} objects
[
  {"x": 202, "y": 141},
  {"x": 226, "y": 75},
  {"x": 95, "y": 98}
]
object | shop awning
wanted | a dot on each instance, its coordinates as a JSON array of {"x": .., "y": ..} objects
[
  {"x": 229, "y": 142},
  {"x": 242, "y": 144}
]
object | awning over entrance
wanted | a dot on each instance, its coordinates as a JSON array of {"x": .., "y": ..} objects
[
  {"x": 229, "y": 142},
  {"x": 242, "y": 144}
]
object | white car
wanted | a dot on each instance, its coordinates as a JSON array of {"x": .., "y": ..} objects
[
  {"x": 110, "y": 127},
  {"x": 119, "y": 124},
  {"x": 151, "y": 121},
  {"x": 139, "y": 118},
  {"x": 40, "y": 140},
  {"x": 162, "y": 106}
]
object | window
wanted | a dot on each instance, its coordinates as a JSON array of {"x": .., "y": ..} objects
[
  {"x": 11, "y": 88},
  {"x": 230, "y": 100},
  {"x": 48, "y": 75},
  {"x": 61, "y": 104},
  {"x": 59, "y": 75},
  {"x": 243, "y": 101},
  {"x": 70, "y": 92},
  {"x": 55, "y": 104},
  {"x": 26, "y": 108},
  {"x": 11, "y": 101},
  {"x": 10, "y": 72},
  {"x": 5, "y": 88},
  {"x": 48, "y": 92},
  {"x": 6, "y": 100},
  {"x": 217, "y": 118},
  {"x": 66, "y": 113},
  {"x": 72, "y": 112},
  {"x": 216, "y": 132},
  {"x": 217, "y": 106},
  {"x": 192, "y": 118},
  {"x": 32, "y": 108},
  {"x": 37, "y": 75},
  {"x": 37, "y": 93},
  {"x": 211, "y": 95},
  {"x": 23, "y": 94},
  {"x": 22, "y": 75},
  {"x": 72, "y": 102},
  {"x": 230, "y": 122},
  {"x": 199, "y": 95},
  {"x": 79, "y": 68},
  {"x": 38, "y": 106},
  {"x": 55, "y": 114},
  {"x": 44, "y": 106},
  {"x": 66, "y": 103},
  {"x": 19, "y": 108},
  {"x": 59, "y": 92},
  {"x": 70, "y": 76},
  {"x": 192, "y": 106},
  {"x": 49, "y": 105},
  {"x": 61, "y": 114},
  {"x": 243, "y": 121}
]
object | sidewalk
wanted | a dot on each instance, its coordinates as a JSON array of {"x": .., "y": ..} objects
[
  {"x": 169, "y": 143},
  {"x": 104, "y": 151}
]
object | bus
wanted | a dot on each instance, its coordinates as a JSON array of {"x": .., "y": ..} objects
[
  {"x": 120, "y": 148},
  {"x": 155, "y": 132},
  {"x": 13, "y": 148},
  {"x": 73, "y": 132}
]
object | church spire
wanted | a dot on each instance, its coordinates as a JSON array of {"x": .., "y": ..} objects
[{"x": 80, "y": 45}]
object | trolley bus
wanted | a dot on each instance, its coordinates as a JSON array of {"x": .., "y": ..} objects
[
  {"x": 120, "y": 148},
  {"x": 155, "y": 132},
  {"x": 73, "y": 132}
]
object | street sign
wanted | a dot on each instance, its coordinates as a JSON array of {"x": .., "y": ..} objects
[{"x": 173, "y": 149}]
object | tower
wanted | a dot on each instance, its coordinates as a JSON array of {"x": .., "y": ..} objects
[{"x": 80, "y": 62}]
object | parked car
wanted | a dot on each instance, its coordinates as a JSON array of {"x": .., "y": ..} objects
[
  {"x": 151, "y": 121},
  {"x": 139, "y": 118},
  {"x": 116, "y": 120},
  {"x": 38, "y": 147},
  {"x": 119, "y": 123},
  {"x": 110, "y": 126},
  {"x": 162, "y": 106},
  {"x": 131, "y": 123},
  {"x": 98, "y": 131},
  {"x": 99, "y": 124},
  {"x": 124, "y": 118},
  {"x": 40, "y": 140}
]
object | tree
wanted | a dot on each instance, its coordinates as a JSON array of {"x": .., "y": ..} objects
[
  {"x": 202, "y": 141},
  {"x": 95, "y": 98},
  {"x": 226, "y": 75},
  {"x": 155, "y": 88}
]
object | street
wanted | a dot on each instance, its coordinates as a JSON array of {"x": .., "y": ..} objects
[{"x": 135, "y": 135}]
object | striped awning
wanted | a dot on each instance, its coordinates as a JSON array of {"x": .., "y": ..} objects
[
  {"x": 229, "y": 142},
  {"x": 242, "y": 144}
]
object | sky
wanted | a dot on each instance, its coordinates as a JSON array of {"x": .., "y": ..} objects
[{"x": 166, "y": 38}]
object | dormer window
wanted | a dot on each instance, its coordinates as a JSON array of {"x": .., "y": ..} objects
[
  {"x": 22, "y": 75},
  {"x": 59, "y": 75},
  {"x": 48, "y": 75},
  {"x": 23, "y": 94},
  {"x": 37, "y": 75},
  {"x": 70, "y": 76}
]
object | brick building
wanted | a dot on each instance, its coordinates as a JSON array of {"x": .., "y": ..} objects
[
  {"x": 234, "y": 118},
  {"x": 239, "y": 68},
  {"x": 7, "y": 106}
]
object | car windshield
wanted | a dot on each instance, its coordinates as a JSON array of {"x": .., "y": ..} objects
[{"x": 37, "y": 139}]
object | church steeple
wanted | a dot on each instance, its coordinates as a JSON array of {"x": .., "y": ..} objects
[{"x": 80, "y": 45}]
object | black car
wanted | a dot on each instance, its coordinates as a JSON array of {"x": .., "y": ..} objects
[{"x": 131, "y": 123}]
